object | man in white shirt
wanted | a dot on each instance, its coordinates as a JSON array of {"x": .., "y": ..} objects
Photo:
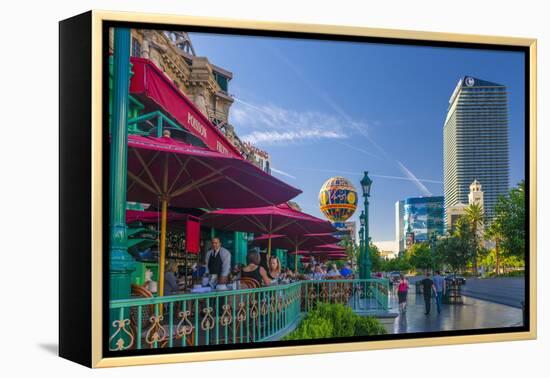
[{"x": 218, "y": 261}]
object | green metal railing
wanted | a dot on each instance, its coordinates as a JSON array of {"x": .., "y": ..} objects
[
  {"x": 157, "y": 120},
  {"x": 360, "y": 295},
  {"x": 236, "y": 316}
]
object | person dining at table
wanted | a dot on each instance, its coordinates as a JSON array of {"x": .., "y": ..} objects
[
  {"x": 274, "y": 268},
  {"x": 318, "y": 273},
  {"x": 218, "y": 261},
  {"x": 171, "y": 286},
  {"x": 287, "y": 274},
  {"x": 333, "y": 272},
  {"x": 254, "y": 270}
]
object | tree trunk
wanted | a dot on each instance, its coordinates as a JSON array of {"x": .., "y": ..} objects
[
  {"x": 474, "y": 262},
  {"x": 497, "y": 258}
]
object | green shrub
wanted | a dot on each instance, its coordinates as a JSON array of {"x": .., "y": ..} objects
[
  {"x": 312, "y": 327},
  {"x": 342, "y": 317},
  {"x": 335, "y": 320},
  {"x": 366, "y": 326}
]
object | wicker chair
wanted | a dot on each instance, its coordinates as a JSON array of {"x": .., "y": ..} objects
[{"x": 249, "y": 283}]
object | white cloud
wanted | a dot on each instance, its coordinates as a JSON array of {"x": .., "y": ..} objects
[
  {"x": 274, "y": 137},
  {"x": 271, "y": 124}
]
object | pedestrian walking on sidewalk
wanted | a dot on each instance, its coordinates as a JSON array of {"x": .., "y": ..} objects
[
  {"x": 440, "y": 288},
  {"x": 402, "y": 291},
  {"x": 427, "y": 288}
]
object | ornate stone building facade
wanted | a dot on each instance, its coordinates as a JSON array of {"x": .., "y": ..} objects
[{"x": 201, "y": 81}]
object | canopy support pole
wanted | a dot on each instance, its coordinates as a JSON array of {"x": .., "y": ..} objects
[
  {"x": 162, "y": 247},
  {"x": 269, "y": 239},
  {"x": 296, "y": 260}
]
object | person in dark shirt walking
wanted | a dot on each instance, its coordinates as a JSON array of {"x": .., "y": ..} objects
[
  {"x": 439, "y": 284},
  {"x": 427, "y": 288}
]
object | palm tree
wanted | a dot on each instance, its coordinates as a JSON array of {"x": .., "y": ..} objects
[
  {"x": 475, "y": 217},
  {"x": 495, "y": 233}
]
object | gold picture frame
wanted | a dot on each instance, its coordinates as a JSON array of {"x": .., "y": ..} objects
[{"x": 93, "y": 23}]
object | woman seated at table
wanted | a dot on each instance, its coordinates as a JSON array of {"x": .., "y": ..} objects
[
  {"x": 170, "y": 279},
  {"x": 254, "y": 271},
  {"x": 274, "y": 268}
]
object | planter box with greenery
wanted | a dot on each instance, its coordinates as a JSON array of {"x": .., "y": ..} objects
[{"x": 335, "y": 320}]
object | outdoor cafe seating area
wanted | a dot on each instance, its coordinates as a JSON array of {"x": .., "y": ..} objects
[{"x": 182, "y": 192}]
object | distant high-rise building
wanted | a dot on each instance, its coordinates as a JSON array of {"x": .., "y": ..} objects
[
  {"x": 351, "y": 228},
  {"x": 422, "y": 218},
  {"x": 475, "y": 143},
  {"x": 399, "y": 225}
]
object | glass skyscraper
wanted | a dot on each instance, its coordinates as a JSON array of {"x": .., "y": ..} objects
[
  {"x": 475, "y": 142},
  {"x": 422, "y": 216}
]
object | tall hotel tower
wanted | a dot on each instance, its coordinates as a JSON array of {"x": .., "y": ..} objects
[{"x": 475, "y": 143}]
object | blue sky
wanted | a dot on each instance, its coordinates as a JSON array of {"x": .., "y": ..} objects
[{"x": 325, "y": 108}]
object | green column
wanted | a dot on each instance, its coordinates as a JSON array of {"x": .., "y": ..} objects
[
  {"x": 361, "y": 262},
  {"x": 367, "y": 263},
  {"x": 281, "y": 254},
  {"x": 240, "y": 248},
  {"x": 121, "y": 264}
]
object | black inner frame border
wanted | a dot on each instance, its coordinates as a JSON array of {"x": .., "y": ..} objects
[{"x": 106, "y": 25}]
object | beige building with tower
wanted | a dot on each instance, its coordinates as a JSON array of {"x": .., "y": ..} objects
[
  {"x": 204, "y": 83},
  {"x": 475, "y": 196}
]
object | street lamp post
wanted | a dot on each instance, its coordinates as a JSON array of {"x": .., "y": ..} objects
[
  {"x": 366, "y": 183},
  {"x": 360, "y": 264}
]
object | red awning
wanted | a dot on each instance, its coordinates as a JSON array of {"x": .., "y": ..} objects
[
  {"x": 194, "y": 177},
  {"x": 149, "y": 83}
]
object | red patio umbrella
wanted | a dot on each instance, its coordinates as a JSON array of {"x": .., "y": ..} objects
[
  {"x": 165, "y": 170},
  {"x": 151, "y": 216},
  {"x": 306, "y": 256},
  {"x": 330, "y": 248},
  {"x": 295, "y": 242},
  {"x": 336, "y": 256},
  {"x": 269, "y": 220}
]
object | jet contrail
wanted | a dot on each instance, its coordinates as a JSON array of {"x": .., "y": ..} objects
[
  {"x": 429, "y": 181},
  {"x": 326, "y": 97},
  {"x": 413, "y": 178},
  {"x": 282, "y": 173}
]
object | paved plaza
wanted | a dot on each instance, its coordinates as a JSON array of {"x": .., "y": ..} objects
[
  {"x": 509, "y": 291},
  {"x": 472, "y": 314}
]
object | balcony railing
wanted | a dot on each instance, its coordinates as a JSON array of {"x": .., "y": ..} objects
[{"x": 235, "y": 316}]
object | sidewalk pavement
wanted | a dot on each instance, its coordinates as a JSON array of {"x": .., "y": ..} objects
[{"x": 473, "y": 314}]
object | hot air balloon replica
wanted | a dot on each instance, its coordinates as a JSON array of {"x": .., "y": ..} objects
[{"x": 338, "y": 200}]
